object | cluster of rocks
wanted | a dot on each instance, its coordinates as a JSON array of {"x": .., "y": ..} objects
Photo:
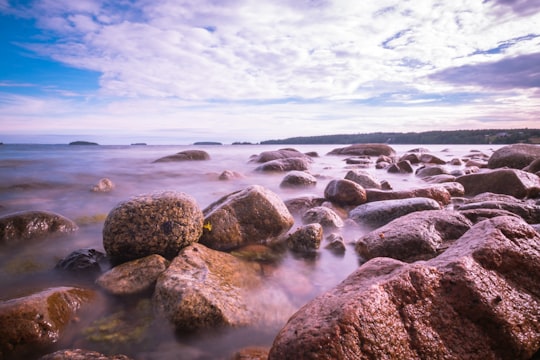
[{"x": 450, "y": 269}]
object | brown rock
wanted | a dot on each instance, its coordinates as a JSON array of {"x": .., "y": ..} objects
[
  {"x": 345, "y": 192},
  {"x": 515, "y": 156},
  {"x": 104, "y": 185},
  {"x": 306, "y": 238},
  {"x": 432, "y": 170},
  {"x": 323, "y": 215},
  {"x": 363, "y": 178},
  {"x": 517, "y": 183},
  {"x": 230, "y": 175},
  {"x": 251, "y": 353},
  {"x": 365, "y": 149},
  {"x": 80, "y": 354},
  {"x": 418, "y": 235},
  {"x": 478, "y": 300},
  {"x": 431, "y": 159},
  {"x": 187, "y": 155},
  {"x": 299, "y": 205},
  {"x": 533, "y": 167},
  {"x": 287, "y": 164},
  {"x": 435, "y": 192},
  {"x": 528, "y": 212},
  {"x": 401, "y": 167},
  {"x": 298, "y": 179},
  {"x": 267, "y": 156},
  {"x": 250, "y": 216}
]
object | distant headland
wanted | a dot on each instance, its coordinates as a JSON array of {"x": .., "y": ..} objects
[
  {"x": 82, "y": 143},
  {"x": 488, "y": 136}
]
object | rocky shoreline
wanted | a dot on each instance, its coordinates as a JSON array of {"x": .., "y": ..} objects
[{"x": 448, "y": 270}]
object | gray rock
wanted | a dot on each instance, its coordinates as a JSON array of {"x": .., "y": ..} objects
[
  {"x": 363, "y": 178},
  {"x": 250, "y": 216},
  {"x": 515, "y": 156},
  {"x": 298, "y": 179},
  {"x": 134, "y": 276},
  {"x": 345, "y": 192},
  {"x": 378, "y": 213},
  {"x": 418, "y": 235},
  {"x": 306, "y": 238},
  {"x": 517, "y": 183},
  {"x": 478, "y": 300},
  {"x": 208, "y": 289},
  {"x": 82, "y": 262},
  {"x": 32, "y": 225},
  {"x": 160, "y": 223},
  {"x": 29, "y": 325},
  {"x": 187, "y": 155},
  {"x": 323, "y": 215}
]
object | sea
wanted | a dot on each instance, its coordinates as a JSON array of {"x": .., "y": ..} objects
[{"x": 59, "y": 178}]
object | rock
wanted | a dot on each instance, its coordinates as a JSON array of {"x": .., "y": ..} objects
[
  {"x": 515, "y": 156},
  {"x": 29, "y": 325},
  {"x": 287, "y": 153},
  {"x": 80, "y": 354},
  {"x": 456, "y": 162},
  {"x": 477, "y": 215},
  {"x": 186, "y": 155},
  {"x": 288, "y": 164},
  {"x": 230, "y": 175},
  {"x": 418, "y": 235},
  {"x": 104, "y": 185},
  {"x": 435, "y": 192},
  {"x": 363, "y": 162},
  {"x": 440, "y": 179},
  {"x": 365, "y": 149},
  {"x": 345, "y": 192},
  {"x": 478, "y": 300},
  {"x": 323, "y": 215},
  {"x": 33, "y": 225},
  {"x": 528, "y": 212},
  {"x": 517, "y": 183},
  {"x": 250, "y": 216},
  {"x": 363, "y": 178},
  {"x": 133, "y": 277},
  {"x": 251, "y": 353},
  {"x": 298, "y": 179},
  {"x": 209, "y": 289},
  {"x": 335, "y": 244},
  {"x": 82, "y": 261},
  {"x": 427, "y": 171},
  {"x": 299, "y": 205},
  {"x": 378, "y": 213},
  {"x": 454, "y": 188},
  {"x": 533, "y": 167},
  {"x": 401, "y": 167},
  {"x": 410, "y": 157},
  {"x": 431, "y": 159},
  {"x": 160, "y": 223},
  {"x": 258, "y": 252},
  {"x": 306, "y": 238}
]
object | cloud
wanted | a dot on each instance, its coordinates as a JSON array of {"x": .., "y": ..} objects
[
  {"x": 520, "y": 72},
  {"x": 520, "y": 7}
]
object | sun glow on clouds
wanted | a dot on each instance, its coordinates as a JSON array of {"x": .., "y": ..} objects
[{"x": 245, "y": 69}]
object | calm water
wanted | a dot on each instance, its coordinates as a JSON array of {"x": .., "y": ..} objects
[{"x": 59, "y": 177}]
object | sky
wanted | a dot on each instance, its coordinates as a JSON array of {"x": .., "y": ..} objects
[{"x": 179, "y": 71}]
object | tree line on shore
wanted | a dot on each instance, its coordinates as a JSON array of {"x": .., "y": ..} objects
[{"x": 487, "y": 136}]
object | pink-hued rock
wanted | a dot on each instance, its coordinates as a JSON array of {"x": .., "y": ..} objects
[
  {"x": 515, "y": 156},
  {"x": 345, "y": 192},
  {"x": 478, "y": 300},
  {"x": 435, "y": 192},
  {"x": 517, "y": 183},
  {"x": 365, "y": 149}
]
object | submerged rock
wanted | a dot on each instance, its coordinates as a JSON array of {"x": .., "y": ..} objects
[
  {"x": 286, "y": 153},
  {"x": 104, "y": 185},
  {"x": 306, "y": 238},
  {"x": 296, "y": 179},
  {"x": 32, "y": 225},
  {"x": 363, "y": 178},
  {"x": 287, "y": 164},
  {"x": 160, "y": 223},
  {"x": 187, "y": 155},
  {"x": 82, "y": 261},
  {"x": 31, "y": 324},
  {"x": 80, "y": 354},
  {"x": 250, "y": 216},
  {"x": 478, "y": 300},
  {"x": 365, "y": 149},
  {"x": 208, "y": 289},
  {"x": 323, "y": 215}
]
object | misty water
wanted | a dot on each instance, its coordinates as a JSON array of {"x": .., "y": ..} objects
[{"x": 58, "y": 178}]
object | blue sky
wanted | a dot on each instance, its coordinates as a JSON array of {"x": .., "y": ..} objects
[{"x": 179, "y": 71}]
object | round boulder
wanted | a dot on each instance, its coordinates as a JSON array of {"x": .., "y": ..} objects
[
  {"x": 365, "y": 149},
  {"x": 345, "y": 192},
  {"x": 363, "y": 178},
  {"x": 515, "y": 156},
  {"x": 160, "y": 223},
  {"x": 295, "y": 179},
  {"x": 306, "y": 238}
]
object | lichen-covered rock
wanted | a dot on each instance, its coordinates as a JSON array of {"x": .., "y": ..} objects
[
  {"x": 365, "y": 149},
  {"x": 104, "y": 185},
  {"x": 29, "y": 325},
  {"x": 363, "y": 178},
  {"x": 295, "y": 179},
  {"x": 323, "y": 215},
  {"x": 515, "y": 156},
  {"x": 517, "y": 183},
  {"x": 478, "y": 300},
  {"x": 378, "y": 213},
  {"x": 208, "y": 289},
  {"x": 418, "y": 235},
  {"x": 160, "y": 223},
  {"x": 186, "y": 155},
  {"x": 286, "y": 164},
  {"x": 134, "y": 276},
  {"x": 250, "y": 216},
  {"x": 81, "y": 354},
  {"x": 82, "y": 261},
  {"x": 345, "y": 192},
  {"x": 306, "y": 238},
  {"x": 435, "y": 192},
  {"x": 32, "y": 225}
]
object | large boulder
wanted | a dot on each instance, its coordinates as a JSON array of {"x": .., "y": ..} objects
[
  {"x": 365, "y": 149},
  {"x": 298, "y": 179},
  {"x": 252, "y": 215},
  {"x": 186, "y": 155},
  {"x": 271, "y": 155},
  {"x": 345, "y": 192},
  {"x": 287, "y": 164},
  {"x": 378, "y": 213},
  {"x": 133, "y": 277},
  {"x": 515, "y": 156},
  {"x": 530, "y": 213},
  {"x": 436, "y": 192},
  {"x": 363, "y": 178},
  {"x": 160, "y": 223},
  {"x": 418, "y": 235},
  {"x": 31, "y": 225},
  {"x": 208, "y": 289},
  {"x": 478, "y": 300},
  {"x": 517, "y": 183},
  {"x": 31, "y": 324}
]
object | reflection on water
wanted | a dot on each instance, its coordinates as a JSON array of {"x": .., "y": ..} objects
[{"x": 59, "y": 178}]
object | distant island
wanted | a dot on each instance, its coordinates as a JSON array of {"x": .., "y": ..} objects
[
  {"x": 207, "y": 143},
  {"x": 82, "y": 143},
  {"x": 242, "y": 143},
  {"x": 139, "y": 143},
  {"x": 489, "y": 136}
]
